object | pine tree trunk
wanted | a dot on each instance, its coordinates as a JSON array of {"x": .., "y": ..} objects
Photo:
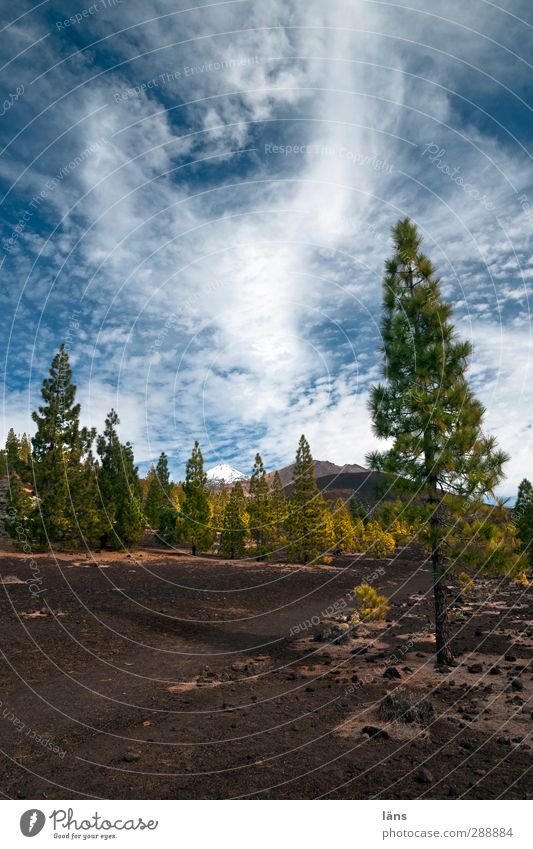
[
  {"x": 442, "y": 623},
  {"x": 193, "y": 550}
]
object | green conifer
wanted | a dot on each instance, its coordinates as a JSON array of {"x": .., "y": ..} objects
[
  {"x": 120, "y": 488},
  {"x": 343, "y": 528},
  {"x": 308, "y": 524},
  {"x": 523, "y": 516},
  {"x": 427, "y": 408},
  {"x": 158, "y": 491},
  {"x": 279, "y": 510},
  {"x": 259, "y": 508},
  {"x": 60, "y": 452},
  {"x": 196, "y": 509},
  {"x": 234, "y": 531}
]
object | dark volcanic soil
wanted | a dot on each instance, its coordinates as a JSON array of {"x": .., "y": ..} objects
[{"x": 167, "y": 676}]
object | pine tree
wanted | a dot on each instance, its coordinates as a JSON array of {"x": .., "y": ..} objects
[
  {"x": 196, "y": 509},
  {"x": 59, "y": 448},
  {"x": 234, "y": 531},
  {"x": 343, "y": 528},
  {"x": 85, "y": 500},
  {"x": 356, "y": 508},
  {"x": 13, "y": 451},
  {"x": 523, "y": 516},
  {"x": 120, "y": 488},
  {"x": 427, "y": 408},
  {"x": 158, "y": 491},
  {"x": 25, "y": 451},
  {"x": 17, "y": 455},
  {"x": 21, "y": 515},
  {"x": 260, "y": 507},
  {"x": 219, "y": 503},
  {"x": 308, "y": 524},
  {"x": 152, "y": 502},
  {"x": 278, "y": 504}
]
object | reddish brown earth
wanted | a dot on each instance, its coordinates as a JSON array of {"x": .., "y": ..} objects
[{"x": 166, "y": 676}]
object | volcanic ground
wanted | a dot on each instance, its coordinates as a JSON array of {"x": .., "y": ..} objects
[{"x": 160, "y": 675}]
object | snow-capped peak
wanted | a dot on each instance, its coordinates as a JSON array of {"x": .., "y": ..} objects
[{"x": 224, "y": 473}]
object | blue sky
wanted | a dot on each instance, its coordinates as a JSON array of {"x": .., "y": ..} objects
[{"x": 198, "y": 198}]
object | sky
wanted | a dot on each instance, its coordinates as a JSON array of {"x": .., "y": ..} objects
[{"x": 198, "y": 199}]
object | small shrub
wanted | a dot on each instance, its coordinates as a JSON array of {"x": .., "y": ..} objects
[
  {"x": 326, "y": 560},
  {"x": 359, "y": 534},
  {"x": 377, "y": 541},
  {"x": 370, "y": 605},
  {"x": 401, "y": 531},
  {"x": 466, "y": 583},
  {"x": 521, "y": 580},
  {"x": 403, "y": 705},
  {"x": 335, "y": 633}
]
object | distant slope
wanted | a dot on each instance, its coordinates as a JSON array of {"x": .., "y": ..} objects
[
  {"x": 323, "y": 468},
  {"x": 369, "y": 487}
]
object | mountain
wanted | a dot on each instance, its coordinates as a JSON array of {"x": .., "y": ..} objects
[
  {"x": 224, "y": 473},
  {"x": 323, "y": 468}
]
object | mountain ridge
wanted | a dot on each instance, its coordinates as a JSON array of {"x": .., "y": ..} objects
[{"x": 323, "y": 468}]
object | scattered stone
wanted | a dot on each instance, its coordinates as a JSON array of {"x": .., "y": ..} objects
[
  {"x": 494, "y": 670},
  {"x": 475, "y": 668},
  {"x": 131, "y": 757},
  {"x": 373, "y": 731},
  {"x": 424, "y": 776},
  {"x": 510, "y": 658},
  {"x": 391, "y": 672}
]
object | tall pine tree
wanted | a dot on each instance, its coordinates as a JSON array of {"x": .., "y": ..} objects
[
  {"x": 234, "y": 530},
  {"x": 343, "y": 528},
  {"x": 278, "y": 504},
  {"x": 196, "y": 509},
  {"x": 120, "y": 488},
  {"x": 309, "y": 526},
  {"x": 523, "y": 516},
  {"x": 61, "y": 462},
  {"x": 13, "y": 452},
  {"x": 427, "y": 408},
  {"x": 260, "y": 507},
  {"x": 158, "y": 493}
]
